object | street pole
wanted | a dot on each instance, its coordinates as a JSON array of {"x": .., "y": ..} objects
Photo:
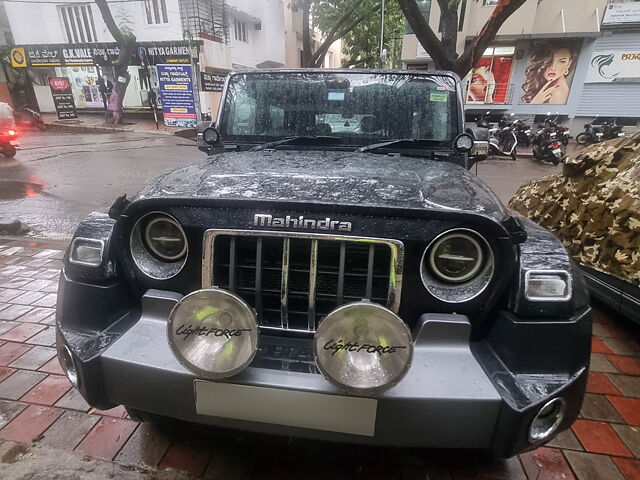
[{"x": 382, "y": 60}]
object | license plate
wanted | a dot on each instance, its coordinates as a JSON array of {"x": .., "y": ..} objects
[
  {"x": 557, "y": 152},
  {"x": 13, "y": 142},
  {"x": 293, "y": 408},
  {"x": 621, "y": 134},
  {"x": 480, "y": 149},
  {"x": 553, "y": 135}
]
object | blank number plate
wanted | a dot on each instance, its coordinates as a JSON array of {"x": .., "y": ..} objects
[{"x": 293, "y": 408}]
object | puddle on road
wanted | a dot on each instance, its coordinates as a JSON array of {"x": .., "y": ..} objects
[{"x": 13, "y": 190}]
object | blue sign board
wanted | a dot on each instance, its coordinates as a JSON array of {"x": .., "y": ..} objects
[{"x": 176, "y": 95}]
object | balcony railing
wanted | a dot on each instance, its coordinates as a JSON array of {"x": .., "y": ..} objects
[{"x": 489, "y": 93}]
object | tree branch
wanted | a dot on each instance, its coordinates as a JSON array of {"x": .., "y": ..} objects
[
  {"x": 425, "y": 35},
  {"x": 503, "y": 10},
  {"x": 326, "y": 44}
]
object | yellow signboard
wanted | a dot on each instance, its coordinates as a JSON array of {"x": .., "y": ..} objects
[{"x": 18, "y": 58}]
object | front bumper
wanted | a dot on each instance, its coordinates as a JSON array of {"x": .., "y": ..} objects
[{"x": 457, "y": 394}]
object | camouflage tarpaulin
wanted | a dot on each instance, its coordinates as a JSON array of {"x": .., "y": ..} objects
[{"x": 593, "y": 206}]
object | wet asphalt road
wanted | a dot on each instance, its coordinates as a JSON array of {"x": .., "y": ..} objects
[{"x": 56, "y": 179}]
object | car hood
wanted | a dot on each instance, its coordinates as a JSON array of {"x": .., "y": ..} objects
[{"x": 330, "y": 177}]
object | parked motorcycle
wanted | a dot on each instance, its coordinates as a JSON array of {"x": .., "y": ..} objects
[
  {"x": 612, "y": 130},
  {"x": 546, "y": 145},
  {"x": 503, "y": 141},
  {"x": 28, "y": 116},
  {"x": 592, "y": 134}
]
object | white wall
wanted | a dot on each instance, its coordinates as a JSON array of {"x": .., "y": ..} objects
[
  {"x": 43, "y": 24},
  {"x": 264, "y": 44}
]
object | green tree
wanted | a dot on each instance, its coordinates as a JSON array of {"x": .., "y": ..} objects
[
  {"x": 361, "y": 44},
  {"x": 126, "y": 40},
  {"x": 443, "y": 49}
]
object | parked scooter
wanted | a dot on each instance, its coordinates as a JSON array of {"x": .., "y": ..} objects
[
  {"x": 593, "y": 133},
  {"x": 503, "y": 141},
  {"x": 546, "y": 145},
  {"x": 523, "y": 132},
  {"x": 28, "y": 116}
]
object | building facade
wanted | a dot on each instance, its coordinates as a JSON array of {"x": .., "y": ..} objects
[
  {"x": 214, "y": 36},
  {"x": 574, "y": 59}
]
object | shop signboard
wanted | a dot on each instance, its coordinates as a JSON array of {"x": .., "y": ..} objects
[
  {"x": 622, "y": 14},
  {"x": 44, "y": 55},
  {"x": 176, "y": 94},
  {"x": 104, "y": 54},
  {"x": 63, "y": 97},
  {"x": 212, "y": 82},
  {"x": 614, "y": 67}
]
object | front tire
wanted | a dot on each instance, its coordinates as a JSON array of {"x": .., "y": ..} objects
[
  {"x": 582, "y": 139},
  {"x": 514, "y": 154},
  {"x": 9, "y": 151}
]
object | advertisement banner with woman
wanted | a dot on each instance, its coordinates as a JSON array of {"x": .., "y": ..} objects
[
  {"x": 550, "y": 72},
  {"x": 490, "y": 79}
]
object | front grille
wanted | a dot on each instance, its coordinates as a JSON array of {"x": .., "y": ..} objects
[{"x": 293, "y": 280}]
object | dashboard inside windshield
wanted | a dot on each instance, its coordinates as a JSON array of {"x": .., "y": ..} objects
[{"x": 358, "y": 108}]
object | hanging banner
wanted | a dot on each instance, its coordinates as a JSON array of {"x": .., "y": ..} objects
[
  {"x": 212, "y": 82},
  {"x": 62, "y": 98},
  {"x": 176, "y": 94},
  {"x": 614, "y": 67}
]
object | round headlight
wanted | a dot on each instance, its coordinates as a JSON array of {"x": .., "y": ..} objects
[
  {"x": 363, "y": 348},
  {"x": 213, "y": 333},
  {"x": 456, "y": 257},
  {"x": 158, "y": 246},
  {"x": 165, "y": 239}
]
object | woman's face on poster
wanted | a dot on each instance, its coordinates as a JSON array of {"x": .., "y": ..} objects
[{"x": 560, "y": 65}]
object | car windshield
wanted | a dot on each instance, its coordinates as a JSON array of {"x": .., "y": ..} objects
[{"x": 358, "y": 108}]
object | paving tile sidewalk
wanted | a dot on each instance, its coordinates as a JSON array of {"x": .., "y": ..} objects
[{"x": 37, "y": 404}]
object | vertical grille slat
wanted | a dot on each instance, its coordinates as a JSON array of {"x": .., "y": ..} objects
[
  {"x": 293, "y": 280},
  {"x": 284, "y": 286},
  {"x": 341, "y": 262},
  {"x": 232, "y": 264},
  {"x": 372, "y": 253},
  {"x": 313, "y": 274},
  {"x": 258, "y": 292}
]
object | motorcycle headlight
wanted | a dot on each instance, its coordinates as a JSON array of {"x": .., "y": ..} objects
[{"x": 158, "y": 245}]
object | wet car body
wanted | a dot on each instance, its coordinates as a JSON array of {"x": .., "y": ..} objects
[{"x": 483, "y": 367}]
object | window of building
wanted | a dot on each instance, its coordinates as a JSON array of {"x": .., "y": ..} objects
[
  {"x": 240, "y": 30},
  {"x": 156, "y": 11},
  {"x": 77, "y": 20}
]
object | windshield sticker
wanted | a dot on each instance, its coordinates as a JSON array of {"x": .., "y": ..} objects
[
  {"x": 438, "y": 97},
  {"x": 335, "y": 96}
]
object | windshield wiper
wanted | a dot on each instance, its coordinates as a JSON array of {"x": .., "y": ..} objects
[
  {"x": 398, "y": 142},
  {"x": 303, "y": 139}
]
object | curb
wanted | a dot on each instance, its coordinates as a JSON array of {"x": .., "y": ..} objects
[{"x": 61, "y": 127}]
